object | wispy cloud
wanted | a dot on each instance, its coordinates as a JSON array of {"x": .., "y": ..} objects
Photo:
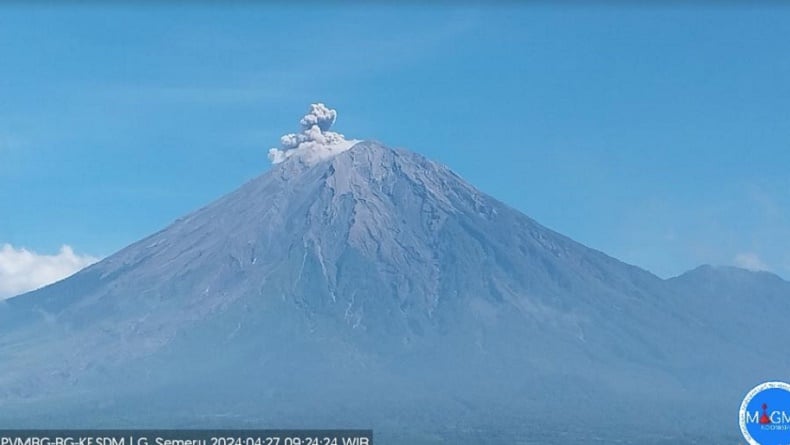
[
  {"x": 23, "y": 270},
  {"x": 750, "y": 261},
  {"x": 209, "y": 94}
]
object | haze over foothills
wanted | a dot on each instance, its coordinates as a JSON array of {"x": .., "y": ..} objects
[{"x": 655, "y": 134}]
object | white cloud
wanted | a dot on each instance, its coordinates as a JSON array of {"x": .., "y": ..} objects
[
  {"x": 23, "y": 270},
  {"x": 750, "y": 261},
  {"x": 314, "y": 142}
]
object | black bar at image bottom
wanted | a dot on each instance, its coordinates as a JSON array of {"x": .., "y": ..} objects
[{"x": 186, "y": 437}]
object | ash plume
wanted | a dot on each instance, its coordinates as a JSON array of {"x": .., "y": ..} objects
[{"x": 314, "y": 141}]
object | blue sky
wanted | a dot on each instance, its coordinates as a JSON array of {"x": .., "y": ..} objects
[{"x": 660, "y": 135}]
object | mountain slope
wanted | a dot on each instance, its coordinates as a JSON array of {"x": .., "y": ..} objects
[{"x": 374, "y": 287}]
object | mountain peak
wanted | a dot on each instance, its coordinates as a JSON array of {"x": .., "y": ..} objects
[
  {"x": 718, "y": 272},
  {"x": 391, "y": 276}
]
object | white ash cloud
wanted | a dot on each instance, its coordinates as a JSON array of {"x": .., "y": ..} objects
[
  {"x": 319, "y": 115},
  {"x": 314, "y": 141},
  {"x": 23, "y": 270},
  {"x": 750, "y": 261}
]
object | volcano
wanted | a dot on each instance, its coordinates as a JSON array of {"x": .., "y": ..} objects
[{"x": 374, "y": 288}]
